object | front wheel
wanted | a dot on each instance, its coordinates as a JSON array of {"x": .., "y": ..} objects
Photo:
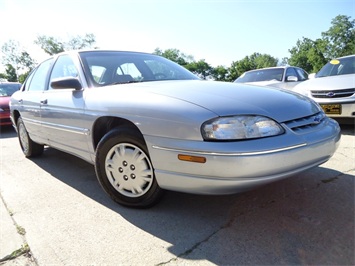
[
  {"x": 28, "y": 146},
  {"x": 124, "y": 169}
]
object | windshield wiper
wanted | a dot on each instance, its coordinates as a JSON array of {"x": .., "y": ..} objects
[{"x": 126, "y": 82}]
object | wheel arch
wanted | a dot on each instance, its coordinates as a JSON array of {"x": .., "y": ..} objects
[
  {"x": 104, "y": 124},
  {"x": 15, "y": 116}
]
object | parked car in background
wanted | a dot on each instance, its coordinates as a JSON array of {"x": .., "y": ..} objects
[
  {"x": 280, "y": 77},
  {"x": 148, "y": 125},
  {"x": 6, "y": 90},
  {"x": 333, "y": 87}
]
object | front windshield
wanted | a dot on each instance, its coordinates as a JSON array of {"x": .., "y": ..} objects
[
  {"x": 7, "y": 89},
  {"x": 112, "y": 67},
  {"x": 261, "y": 75},
  {"x": 341, "y": 66}
]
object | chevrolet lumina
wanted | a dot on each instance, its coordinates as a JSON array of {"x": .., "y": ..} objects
[{"x": 149, "y": 125}]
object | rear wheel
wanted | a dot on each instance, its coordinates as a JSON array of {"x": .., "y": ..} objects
[
  {"x": 124, "y": 169},
  {"x": 29, "y": 147}
]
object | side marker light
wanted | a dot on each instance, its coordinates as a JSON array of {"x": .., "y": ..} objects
[{"x": 190, "y": 158}]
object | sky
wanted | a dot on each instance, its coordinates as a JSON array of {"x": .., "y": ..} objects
[{"x": 218, "y": 31}]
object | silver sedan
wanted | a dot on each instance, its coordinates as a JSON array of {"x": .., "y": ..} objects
[
  {"x": 285, "y": 77},
  {"x": 149, "y": 125}
]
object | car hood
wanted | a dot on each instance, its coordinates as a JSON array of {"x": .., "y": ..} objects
[
  {"x": 226, "y": 99},
  {"x": 327, "y": 83},
  {"x": 264, "y": 83}
]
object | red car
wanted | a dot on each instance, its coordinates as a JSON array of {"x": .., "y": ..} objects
[{"x": 6, "y": 90}]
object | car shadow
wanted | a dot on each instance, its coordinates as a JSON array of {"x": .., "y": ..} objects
[
  {"x": 188, "y": 221},
  {"x": 347, "y": 129},
  {"x": 7, "y": 132}
]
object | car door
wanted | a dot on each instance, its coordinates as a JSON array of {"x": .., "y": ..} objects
[
  {"x": 30, "y": 100},
  {"x": 62, "y": 110}
]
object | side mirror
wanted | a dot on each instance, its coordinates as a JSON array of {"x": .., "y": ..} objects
[
  {"x": 66, "y": 83},
  {"x": 291, "y": 78},
  {"x": 312, "y": 76}
]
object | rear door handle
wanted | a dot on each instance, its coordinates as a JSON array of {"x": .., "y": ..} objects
[{"x": 44, "y": 101}]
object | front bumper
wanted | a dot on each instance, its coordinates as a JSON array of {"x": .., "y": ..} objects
[
  {"x": 5, "y": 118},
  {"x": 232, "y": 167},
  {"x": 347, "y": 110}
]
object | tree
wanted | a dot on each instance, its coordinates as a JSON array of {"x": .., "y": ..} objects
[
  {"x": 50, "y": 45},
  {"x": 78, "y": 42},
  {"x": 11, "y": 74},
  {"x": 3, "y": 77},
  {"x": 340, "y": 37},
  {"x": 263, "y": 60},
  {"x": 200, "y": 68},
  {"x": 220, "y": 73},
  {"x": 53, "y": 46},
  {"x": 11, "y": 53},
  {"x": 26, "y": 61},
  {"x": 316, "y": 56},
  {"x": 22, "y": 77},
  {"x": 338, "y": 41},
  {"x": 15, "y": 58},
  {"x": 308, "y": 55},
  {"x": 254, "y": 61},
  {"x": 174, "y": 55},
  {"x": 284, "y": 61},
  {"x": 239, "y": 67}
]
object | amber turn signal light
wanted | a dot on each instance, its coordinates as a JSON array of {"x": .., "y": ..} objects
[{"x": 190, "y": 158}]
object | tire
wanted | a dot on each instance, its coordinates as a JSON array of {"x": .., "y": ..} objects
[
  {"x": 28, "y": 146},
  {"x": 124, "y": 169}
]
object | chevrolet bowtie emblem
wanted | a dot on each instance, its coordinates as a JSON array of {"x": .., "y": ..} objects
[{"x": 330, "y": 94}]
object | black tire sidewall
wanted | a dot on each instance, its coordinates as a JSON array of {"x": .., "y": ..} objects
[
  {"x": 112, "y": 138},
  {"x": 27, "y": 152},
  {"x": 34, "y": 149}
]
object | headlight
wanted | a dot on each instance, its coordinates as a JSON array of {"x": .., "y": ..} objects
[{"x": 240, "y": 127}]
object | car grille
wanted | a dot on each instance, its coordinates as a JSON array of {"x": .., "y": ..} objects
[
  {"x": 333, "y": 94},
  {"x": 305, "y": 124}
]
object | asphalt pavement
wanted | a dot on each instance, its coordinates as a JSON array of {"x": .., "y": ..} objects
[{"x": 53, "y": 212}]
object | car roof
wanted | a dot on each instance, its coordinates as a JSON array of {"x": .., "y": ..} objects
[
  {"x": 100, "y": 50},
  {"x": 266, "y": 68},
  {"x": 346, "y": 56},
  {"x": 82, "y": 51}
]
